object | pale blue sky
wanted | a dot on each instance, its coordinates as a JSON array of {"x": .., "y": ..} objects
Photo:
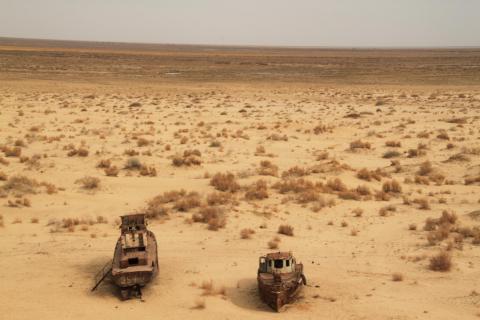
[{"x": 350, "y": 23}]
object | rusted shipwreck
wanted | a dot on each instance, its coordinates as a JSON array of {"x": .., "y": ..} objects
[
  {"x": 135, "y": 260},
  {"x": 280, "y": 279}
]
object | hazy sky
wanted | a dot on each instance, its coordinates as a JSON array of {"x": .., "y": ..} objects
[{"x": 350, "y": 23}]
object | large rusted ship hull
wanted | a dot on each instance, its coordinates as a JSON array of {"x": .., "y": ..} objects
[
  {"x": 278, "y": 295},
  {"x": 135, "y": 276}
]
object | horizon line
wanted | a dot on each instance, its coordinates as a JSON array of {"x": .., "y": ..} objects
[{"x": 266, "y": 46}]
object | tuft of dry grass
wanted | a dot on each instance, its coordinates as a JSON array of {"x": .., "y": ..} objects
[
  {"x": 89, "y": 183},
  {"x": 187, "y": 202},
  {"x": 104, "y": 163},
  {"x": 12, "y": 152},
  {"x": 268, "y": 169},
  {"x": 441, "y": 262},
  {"x": 295, "y": 172},
  {"x": 358, "y": 212},
  {"x": 21, "y": 184},
  {"x": 396, "y": 277},
  {"x": 133, "y": 164},
  {"x": 392, "y": 186},
  {"x": 188, "y": 158},
  {"x": 219, "y": 198},
  {"x": 111, "y": 171},
  {"x": 246, "y": 233},
  {"x": 214, "y": 217},
  {"x": 359, "y": 144},
  {"x": 393, "y": 144},
  {"x": 370, "y": 175},
  {"x": 285, "y": 229},
  {"x": 274, "y": 243},
  {"x": 225, "y": 182},
  {"x": 257, "y": 191},
  {"x": 391, "y": 154}
]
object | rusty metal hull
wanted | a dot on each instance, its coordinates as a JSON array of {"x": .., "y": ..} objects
[
  {"x": 135, "y": 276},
  {"x": 279, "y": 290}
]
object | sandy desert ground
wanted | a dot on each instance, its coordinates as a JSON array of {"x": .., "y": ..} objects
[{"x": 371, "y": 157}]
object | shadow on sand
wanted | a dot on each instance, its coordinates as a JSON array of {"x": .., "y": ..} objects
[
  {"x": 245, "y": 295},
  {"x": 90, "y": 270}
]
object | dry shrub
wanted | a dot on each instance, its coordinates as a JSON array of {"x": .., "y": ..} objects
[
  {"x": 423, "y": 203},
  {"x": 142, "y": 142},
  {"x": 443, "y": 135},
  {"x": 358, "y": 212},
  {"x": 155, "y": 208},
  {"x": 285, "y": 229},
  {"x": 277, "y": 137},
  {"x": 21, "y": 184},
  {"x": 274, "y": 243},
  {"x": 448, "y": 218},
  {"x": 187, "y": 202},
  {"x": 294, "y": 185},
  {"x": 321, "y": 128},
  {"x": 189, "y": 158},
  {"x": 385, "y": 210},
  {"x": 382, "y": 196},
  {"x": 363, "y": 190},
  {"x": 213, "y": 216},
  {"x": 396, "y": 276},
  {"x": 336, "y": 185},
  {"x": 219, "y": 198},
  {"x": 4, "y": 161},
  {"x": 133, "y": 164},
  {"x": 422, "y": 180},
  {"x": 170, "y": 196},
  {"x": 370, "y": 175},
  {"x": 391, "y": 154},
  {"x": 246, "y": 233},
  {"x": 111, "y": 171},
  {"x": 308, "y": 196},
  {"x": 101, "y": 219},
  {"x": 89, "y": 183},
  {"x": 425, "y": 169},
  {"x": 393, "y": 144},
  {"x": 267, "y": 169},
  {"x": 209, "y": 289},
  {"x": 392, "y": 186},
  {"x": 441, "y": 262},
  {"x": 34, "y": 220},
  {"x": 358, "y": 144},
  {"x": 131, "y": 152},
  {"x": 296, "y": 172},
  {"x": 224, "y": 182},
  {"x": 104, "y": 163},
  {"x": 257, "y": 191},
  {"x": 148, "y": 171},
  {"x": 12, "y": 152},
  {"x": 469, "y": 181},
  {"x": 349, "y": 195}
]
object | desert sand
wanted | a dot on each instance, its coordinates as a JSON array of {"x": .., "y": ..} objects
[{"x": 372, "y": 157}]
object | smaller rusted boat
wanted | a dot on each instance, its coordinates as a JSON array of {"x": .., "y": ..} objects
[
  {"x": 135, "y": 260},
  {"x": 280, "y": 279}
]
